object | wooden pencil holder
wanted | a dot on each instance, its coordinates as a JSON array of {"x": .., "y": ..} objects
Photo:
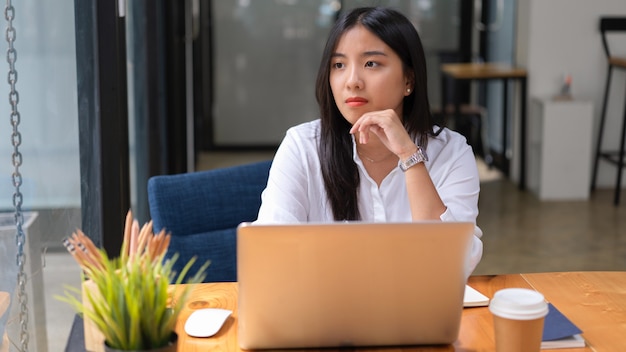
[
  {"x": 5, "y": 299},
  {"x": 94, "y": 339}
]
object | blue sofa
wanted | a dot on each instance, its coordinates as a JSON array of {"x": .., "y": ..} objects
[{"x": 202, "y": 211}]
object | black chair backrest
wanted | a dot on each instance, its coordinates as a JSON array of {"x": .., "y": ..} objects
[{"x": 611, "y": 24}]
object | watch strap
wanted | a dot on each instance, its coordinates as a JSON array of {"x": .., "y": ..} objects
[{"x": 418, "y": 157}]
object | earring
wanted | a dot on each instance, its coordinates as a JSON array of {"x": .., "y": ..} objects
[{"x": 408, "y": 90}]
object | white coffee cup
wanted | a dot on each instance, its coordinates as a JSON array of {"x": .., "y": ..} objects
[{"x": 518, "y": 315}]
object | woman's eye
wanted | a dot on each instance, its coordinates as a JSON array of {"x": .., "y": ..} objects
[
  {"x": 371, "y": 64},
  {"x": 337, "y": 65}
]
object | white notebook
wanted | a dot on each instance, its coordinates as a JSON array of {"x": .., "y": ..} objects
[{"x": 473, "y": 298}]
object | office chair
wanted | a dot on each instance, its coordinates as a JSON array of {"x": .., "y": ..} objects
[
  {"x": 611, "y": 25},
  {"x": 202, "y": 210}
]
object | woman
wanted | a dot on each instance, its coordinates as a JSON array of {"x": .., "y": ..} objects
[{"x": 375, "y": 153}]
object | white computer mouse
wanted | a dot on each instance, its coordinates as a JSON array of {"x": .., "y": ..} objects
[{"x": 206, "y": 322}]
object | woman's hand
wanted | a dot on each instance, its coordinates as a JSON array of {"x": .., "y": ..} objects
[{"x": 388, "y": 127}]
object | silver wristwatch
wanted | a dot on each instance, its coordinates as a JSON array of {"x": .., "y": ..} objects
[{"x": 418, "y": 157}]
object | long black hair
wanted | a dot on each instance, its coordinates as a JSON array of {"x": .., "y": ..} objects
[{"x": 341, "y": 177}]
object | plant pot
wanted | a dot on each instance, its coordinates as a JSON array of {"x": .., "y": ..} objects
[{"x": 171, "y": 347}]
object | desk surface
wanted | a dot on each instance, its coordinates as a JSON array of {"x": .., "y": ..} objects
[
  {"x": 482, "y": 71},
  {"x": 595, "y": 301}
]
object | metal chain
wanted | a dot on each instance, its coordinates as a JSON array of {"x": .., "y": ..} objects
[{"x": 16, "y": 140}]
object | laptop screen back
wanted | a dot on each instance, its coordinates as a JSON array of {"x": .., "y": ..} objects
[{"x": 351, "y": 284}]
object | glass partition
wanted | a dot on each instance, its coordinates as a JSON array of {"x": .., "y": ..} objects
[
  {"x": 266, "y": 57},
  {"x": 48, "y": 124}
]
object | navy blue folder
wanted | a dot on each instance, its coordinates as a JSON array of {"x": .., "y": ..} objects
[{"x": 556, "y": 325}]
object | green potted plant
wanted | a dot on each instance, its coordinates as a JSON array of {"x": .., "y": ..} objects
[{"x": 129, "y": 299}]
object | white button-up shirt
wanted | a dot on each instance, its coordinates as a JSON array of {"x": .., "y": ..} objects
[{"x": 295, "y": 190}]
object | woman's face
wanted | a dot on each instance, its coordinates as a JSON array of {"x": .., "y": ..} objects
[{"x": 366, "y": 75}]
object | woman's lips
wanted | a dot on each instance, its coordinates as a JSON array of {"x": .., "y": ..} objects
[{"x": 356, "y": 101}]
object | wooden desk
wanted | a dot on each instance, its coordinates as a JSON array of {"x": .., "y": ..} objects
[
  {"x": 492, "y": 71},
  {"x": 595, "y": 301}
]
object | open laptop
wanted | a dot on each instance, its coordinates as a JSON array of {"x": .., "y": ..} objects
[{"x": 351, "y": 284}]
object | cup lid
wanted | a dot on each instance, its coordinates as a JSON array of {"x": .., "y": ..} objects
[{"x": 519, "y": 304}]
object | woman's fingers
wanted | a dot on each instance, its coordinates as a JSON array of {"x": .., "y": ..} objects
[{"x": 386, "y": 125}]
